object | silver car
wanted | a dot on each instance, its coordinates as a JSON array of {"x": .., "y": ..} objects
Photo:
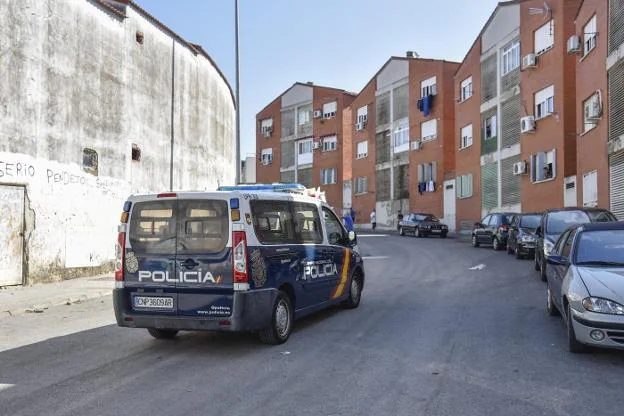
[{"x": 585, "y": 275}]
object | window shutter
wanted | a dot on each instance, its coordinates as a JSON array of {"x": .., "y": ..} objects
[
  {"x": 420, "y": 173},
  {"x": 458, "y": 183},
  {"x": 434, "y": 171}
]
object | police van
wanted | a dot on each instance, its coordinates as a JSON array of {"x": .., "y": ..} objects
[{"x": 242, "y": 258}]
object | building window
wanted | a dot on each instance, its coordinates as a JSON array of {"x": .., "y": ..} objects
[
  {"x": 428, "y": 87},
  {"x": 266, "y": 156},
  {"x": 328, "y": 176},
  {"x": 543, "y": 166},
  {"x": 304, "y": 116},
  {"x": 511, "y": 57},
  {"x": 427, "y": 172},
  {"x": 362, "y": 149},
  {"x": 591, "y": 112},
  {"x": 362, "y": 115},
  {"x": 329, "y": 109},
  {"x": 465, "y": 89},
  {"x": 466, "y": 137},
  {"x": 400, "y": 139},
  {"x": 304, "y": 152},
  {"x": 266, "y": 126},
  {"x": 361, "y": 185},
  {"x": 589, "y": 36},
  {"x": 136, "y": 153},
  {"x": 590, "y": 189},
  {"x": 544, "y": 37},
  {"x": 90, "y": 161},
  {"x": 464, "y": 186},
  {"x": 490, "y": 128},
  {"x": 429, "y": 130},
  {"x": 544, "y": 102},
  {"x": 330, "y": 143}
]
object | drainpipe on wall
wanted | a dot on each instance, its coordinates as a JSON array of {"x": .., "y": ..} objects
[{"x": 172, "y": 115}]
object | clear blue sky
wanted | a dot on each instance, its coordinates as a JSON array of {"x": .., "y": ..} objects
[{"x": 338, "y": 43}]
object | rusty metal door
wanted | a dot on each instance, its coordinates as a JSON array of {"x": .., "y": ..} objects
[{"x": 11, "y": 235}]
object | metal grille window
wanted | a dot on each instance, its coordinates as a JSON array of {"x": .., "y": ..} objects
[
  {"x": 545, "y": 102},
  {"x": 382, "y": 147},
  {"x": 544, "y": 37},
  {"x": 489, "y": 186},
  {"x": 330, "y": 143},
  {"x": 616, "y": 24},
  {"x": 616, "y": 173},
  {"x": 328, "y": 176},
  {"x": 466, "y": 137},
  {"x": 464, "y": 186},
  {"x": 543, "y": 166},
  {"x": 510, "y": 124},
  {"x": 589, "y": 36},
  {"x": 288, "y": 123},
  {"x": 287, "y": 154},
  {"x": 510, "y": 183},
  {"x": 329, "y": 109},
  {"x": 428, "y": 87},
  {"x": 361, "y": 185},
  {"x": 616, "y": 97},
  {"x": 590, "y": 189},
  {"x": 400, "y": 102},
  {"x": 401, "y": 181},
  {"x": 362, "y": 149},
  {"x": 382, "y": 181},
  {"x": 382, "y": 109},
  {"x": 488, "y": 79},
  {"x": 465, "y": 89},
  {"x": 511, "y": 57}
]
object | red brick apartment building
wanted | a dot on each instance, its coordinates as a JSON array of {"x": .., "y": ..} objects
[
  {"x": 398, "y": 145},
  {"x": 300, "y": 137}
]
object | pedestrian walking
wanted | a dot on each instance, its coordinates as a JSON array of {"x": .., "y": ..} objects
[
  {"x": 373, "y": 218},
  {"x": 353, "y": 215}
]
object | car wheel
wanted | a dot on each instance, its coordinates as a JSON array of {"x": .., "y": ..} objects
[
  {"x": 443, "y": 235},
  {"x": 355, "y": 293},
  {"x": 475, "y": 242},
  {"x": 517, "y": 252},
  {"x": 573, "y": 344},
  {"x": 536, "y": 262},
  {"x": 162, "y": 333},
  {"x": 495, "y": 244},
  {"x": 543, "y": 270},
  {"x": 401, "y": 231},
  {"x": 550, "y": 304},
  {"x": 281, "y": 321}
]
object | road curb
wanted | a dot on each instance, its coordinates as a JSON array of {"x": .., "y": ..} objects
[{"x": 41, "y": 307}]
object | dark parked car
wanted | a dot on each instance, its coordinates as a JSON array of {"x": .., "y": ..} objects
[
  {"x": 493, "y": 229},
  {"x": 422, "y": 225},
  {"x": 584, "y": 273},
  {"x": 555, "y": 221},
  {"x": 521, "y": 237}
]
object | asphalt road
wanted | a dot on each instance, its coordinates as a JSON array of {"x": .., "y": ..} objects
[{"x": 431, "y": 337}]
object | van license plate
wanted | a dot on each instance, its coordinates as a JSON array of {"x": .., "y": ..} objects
[{"x": 153, "y": 302}]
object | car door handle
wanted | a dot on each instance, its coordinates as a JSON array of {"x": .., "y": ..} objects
[{"x": 189, "y": 263}]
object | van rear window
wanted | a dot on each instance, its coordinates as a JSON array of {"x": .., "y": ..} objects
[{"x": 182, "y": 226}]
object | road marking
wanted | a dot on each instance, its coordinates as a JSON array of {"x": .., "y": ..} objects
[
  {"x": 478, "y": 267},
  {"x": 372, "y": 235},
  {"x": 374, "y": 257},
  {"x": 5, "y": 386}
]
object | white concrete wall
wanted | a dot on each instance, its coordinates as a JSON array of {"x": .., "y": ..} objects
[
  {"x": 297, "y": 94},
  {"x": 74, "y": 77},
  {"x": 506, "y": 20},
  {"x": 395, "y": 71}
]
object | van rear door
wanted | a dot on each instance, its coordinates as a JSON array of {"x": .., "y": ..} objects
[
  {"x": 204, "y": 258},
  {"x": 150, "y": 255}
]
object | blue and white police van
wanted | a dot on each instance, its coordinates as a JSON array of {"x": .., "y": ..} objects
[{"x": 242, "y": 258}]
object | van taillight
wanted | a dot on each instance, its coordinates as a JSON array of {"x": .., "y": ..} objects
[
  {"x": 119, "y": 256},
  {"x": 239, "y": 243}
]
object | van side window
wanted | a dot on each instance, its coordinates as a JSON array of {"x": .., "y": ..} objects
[
  {"x": 335, "y": 232},
  {"x": 307, "y": 223},
  {"x": 273, "y": 222}
]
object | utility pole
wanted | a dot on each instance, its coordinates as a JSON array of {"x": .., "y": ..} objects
[{"x": 238, "y": 108}]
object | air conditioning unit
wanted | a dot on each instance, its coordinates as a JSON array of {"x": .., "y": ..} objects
[
  {"x": 527, "y": 124},
  {"x": 594, "y": 111},
  {"x": 520, "y": 168},
  {"x": 359, "y": 126},
  {"x": 316, "y": 145},
  {"x": 574, "y": 44},
  {"x": 529, "y": 61},
  {"x": 416, "y": 145},
  {"x": 267, "y": 133},
  {"x": 318, "y": 113}
]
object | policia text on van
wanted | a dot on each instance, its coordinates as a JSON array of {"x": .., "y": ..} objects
[{"x": 248, "y": 258}]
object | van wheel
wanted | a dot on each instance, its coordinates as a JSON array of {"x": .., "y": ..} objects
[
  {"x": 281, "y": 322},
  {"x": 162, "y": 333},
  {"x": 355, "y": 293}
]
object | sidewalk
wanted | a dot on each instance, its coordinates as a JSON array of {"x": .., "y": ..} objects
[{"x": 16, "y": 300}]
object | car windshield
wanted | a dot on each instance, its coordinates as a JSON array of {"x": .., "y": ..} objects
[
  {"x": 558, "y": 222},
  {"x": 424, "y": 217},
  {"x": 601, "y": 248},
  {"x": 530, "y": 221}
]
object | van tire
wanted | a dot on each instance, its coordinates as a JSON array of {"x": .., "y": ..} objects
[
  {"x": 162, "y": 333},
  {"x": 355, "y": 292},
  {"x": 276, "y": 333}
]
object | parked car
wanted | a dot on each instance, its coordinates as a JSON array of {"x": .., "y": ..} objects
[
  {"x": 521, "y": 237},
  {"x": 556, "y": 221},
  {"x": 422, "y": 225},
  {"x": 492, "y": 229},
  {"x": 585, "y": 284}
]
